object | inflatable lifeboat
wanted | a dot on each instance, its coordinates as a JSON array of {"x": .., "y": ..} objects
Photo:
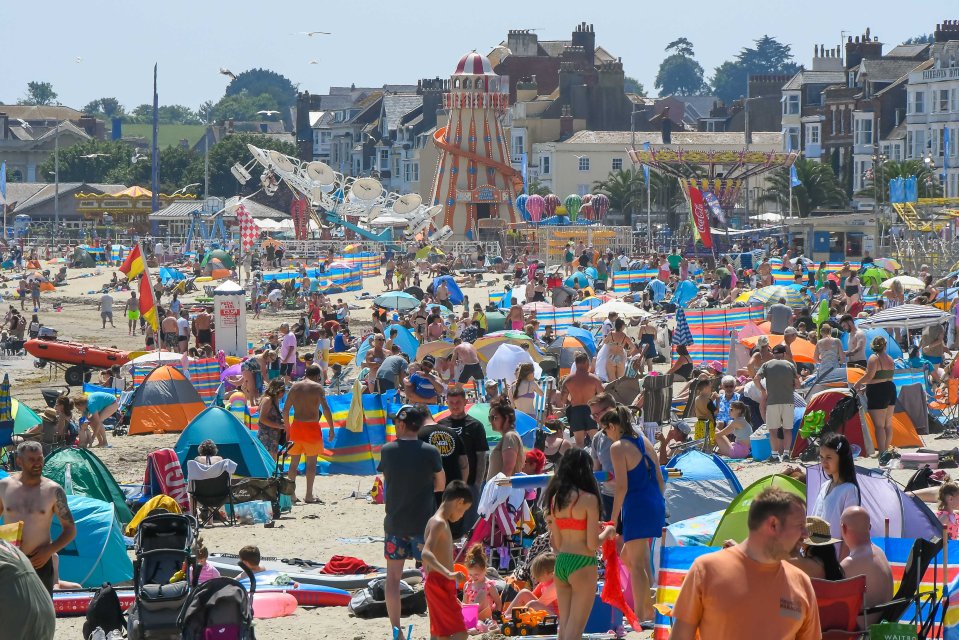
[{"x": 74, "y": 353}]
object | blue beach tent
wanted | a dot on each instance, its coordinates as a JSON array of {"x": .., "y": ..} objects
[
  {"x": 707, "y": 485},
  {"x": 98, "y": 553},
  {"x": 233, "y": 440}
]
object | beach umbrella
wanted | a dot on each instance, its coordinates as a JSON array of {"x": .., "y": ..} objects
[
  {"x": 772, "y": 294},
  {"x": 600, "y": 205},
  {"x": 624, "y": 309},
  {"x": 416, "y": 292},
  {"x": 155, "y": 359},
  {"x": 573, "y": 203},
  {"x": 682, "y": 335},
  {"x": 551, "y": 202},
  {"x": 350, "y": 248},
  {"x": 521, "y": 205},
  {"x": 399, "y": 300},
  {"x": 578, "y": 277},
  {"x": 535, "y": 205},
  {"x": 887, "y": 263},
  {"x": 802, "y": 350},
  {"x": 24, "y": 417},
  {"x": 910, "y": 283},
  {"x": 488, "y": 345},
  {"x": 525, "y": 423},
  {"x": 437, "y": 348},
  {"x": 871, "y": 277},
  {"x": 232, "y": 370},
  {"x": 906, "y": 316},
  {"x": 503, "y": 360},
  {"x": 539, "y": 307},
  {"x": 273, "y": 242}
]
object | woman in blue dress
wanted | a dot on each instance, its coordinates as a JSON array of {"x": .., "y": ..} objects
[{"x": 638, "y": 502}]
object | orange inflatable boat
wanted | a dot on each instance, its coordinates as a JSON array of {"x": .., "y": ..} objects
[{"x": 75, "y": 353}]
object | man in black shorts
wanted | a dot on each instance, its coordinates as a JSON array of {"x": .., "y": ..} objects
[{"x": 576, "y": 391}]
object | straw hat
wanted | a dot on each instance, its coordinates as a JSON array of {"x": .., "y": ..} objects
[
  {"x": 819, "y": 533},
  {"x": 49, "y": 414}
]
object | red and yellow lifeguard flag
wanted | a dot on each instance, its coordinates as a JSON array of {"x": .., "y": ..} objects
[
  {"x": 148, "y": 307},
  {"x": 134, "y": 264}
]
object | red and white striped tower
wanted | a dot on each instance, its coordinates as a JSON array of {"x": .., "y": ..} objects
[{"x": 474, "y": 180}]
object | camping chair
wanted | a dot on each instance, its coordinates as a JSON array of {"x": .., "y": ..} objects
[
  {"x": 209, "y": 495},
  {"x": 840, "y": 603},
  {"x": 945, "y": 408},
  {"x": 920, "y": 557}
]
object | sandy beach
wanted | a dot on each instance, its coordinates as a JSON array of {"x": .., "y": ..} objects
[{"x": 311, "y": 531}]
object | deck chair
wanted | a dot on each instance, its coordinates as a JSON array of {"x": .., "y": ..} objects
[
  {"x": 920, "y": 557},
  {"x": 209, "y": 494},
  {"x": 840, "y": 603},
  {"x": 945, "y": 407}
]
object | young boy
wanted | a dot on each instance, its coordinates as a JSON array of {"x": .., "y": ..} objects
[
  {"x": 543, "y": 595},
  {"x": 739, "y": 428},
  {"x": 250, "y": 558},
  {"x": 446, "y": 616}
]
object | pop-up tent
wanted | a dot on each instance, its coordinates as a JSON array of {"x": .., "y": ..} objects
[
  {"x": 81, "y": 473},
  {"x": 233, "y": 441},
  {"x": 98, "y": 553},
  {"x": 909, "y": 517},
  {"x": 707, "y": 485},
  {"x": 456, "y": 294},
  {"x": 733, "y": 525},
  {"x": 165, "y": 401}
]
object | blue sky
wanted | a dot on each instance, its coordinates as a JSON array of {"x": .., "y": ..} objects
[{"x": 378, "y": 42}]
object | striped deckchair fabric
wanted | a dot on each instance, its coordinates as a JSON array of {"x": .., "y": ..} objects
[
  {"x": 711, "y": 327},
  {"x": 350, "y": 452},
  {"x": 368, "y": 263},
  {"x": 346, "y": 279},
  {"x": 205, "y": 376},
  {"x": 623, "y": 279}
]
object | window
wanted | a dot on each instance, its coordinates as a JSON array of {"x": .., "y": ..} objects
[
  {"x": 407, "y": 171},
  {"x": 583, "y": 163},
  {"x": 842, "y": 122},
  {"x": 909, "y": 141},
  {"x": 954, "y": 100},
  {"x": 416, "y": 172},
  {"x": 519, "y": 146},
  {"x": 863, "y": 131},
  {"x": 326, "y": 136},
  {"x": 384, "y": 159},
  {"x": 792, "y": 138},
  {"x": 582, "y": 189},
  {"x": 812, "y": 133},
  {"x": 617, "y": 164},
  {"x": 544, "y": 165},
  {"x": 791, "y": 105},
  {"x": 918, "y": 102},
  {"x": 919, "y": 144},
  {"x": 943, "y": 106},
  {"x": 833, "y": 129}
]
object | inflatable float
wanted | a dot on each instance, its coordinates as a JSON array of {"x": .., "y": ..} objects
[
  {"x": 304, "y": 595},
  {"x": 76, "y": 354},
  {"x": 306, "y": 573},
  {"x": 76, "y": 603}
]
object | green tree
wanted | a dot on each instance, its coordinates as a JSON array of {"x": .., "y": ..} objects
[
  {"x": 89, "y": 161},
  {"x": 818, "y": 188},
  {"x": 632, "y": 85},
  {"x": 625, "y": 189},
  {"x": 255, "y": 82},
  {"x": 39, "y": 93},
  {"x": 243, "y": 106},
  {"x": 679, "y": 73},
  {"x": 769, "y": 56},
  {"x": 227, "y": 152},
  {"x": 537, "y": 188},
  {"x": 927, "y": 38},
  {"x": 928, "y": 184},
  {"x": 105, "y": 108},
  {"x": 175, "y": 163},
  {"x": 205, "y": 111},
  {"x": 177, "y": 114}
]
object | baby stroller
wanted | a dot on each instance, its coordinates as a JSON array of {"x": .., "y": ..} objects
[
  {"x": 163, "y": 546},
  {"x": 219, "y": 608}
]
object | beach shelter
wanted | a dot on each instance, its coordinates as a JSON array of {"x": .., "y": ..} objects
[
  {"x": 164, "y": 402},
  {"x": 81, "y": 473},
  {"x": 219, "y": 254},
  {"x": 98, "y": 553},
  {"x": 233, "y": 440},
  {"x": 24, "y": 417},
  {"x": 733, "y": 525},
  {"x": 908, "y": 516},
  {"x": 707, "y": 485},
  {"x": 405, "y": 340},
  {"x": 169, "y": 275},
  {"x": 456, "y": 294}
]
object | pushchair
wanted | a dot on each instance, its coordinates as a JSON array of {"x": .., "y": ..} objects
[
  {"x": 163, "y": 547},
  {"x": 220, "y": 607}
]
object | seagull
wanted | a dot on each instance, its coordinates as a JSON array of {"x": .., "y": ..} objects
[
  {"x": 227, "y": 72},
  {"x": 78, "y": 59},
  {"x": 136, "y": 158},
  {"x": 314, "y": 62},
  {"x": 267, "y": 113},
  {"x": 95, "y": 155},
  {"x": 314, "y": 33}
]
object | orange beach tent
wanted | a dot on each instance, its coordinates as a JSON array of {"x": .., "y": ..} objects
[{"x": 164, "y": 402}]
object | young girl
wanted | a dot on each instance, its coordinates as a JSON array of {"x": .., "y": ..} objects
[
  {"x": 543, "y": 595},
  {"x": 525, "y": 389},
  {"x": 948, "y": 504},
  {"x": 840, "y": 490},
  {"x": 739, "y": 429},
  {"x": 207, "y": 572},
  {"x": 479, "y": 589},
  {"x": 704, "y": 406}
]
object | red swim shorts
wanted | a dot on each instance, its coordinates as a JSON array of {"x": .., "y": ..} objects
[
  {"x": 307, "y": 437},
  {"x": 446, "y": 614}
]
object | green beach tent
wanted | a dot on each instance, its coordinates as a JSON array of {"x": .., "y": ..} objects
[
  {"x": 733, "y": 525},
  {"x": 81, "y": 473}
]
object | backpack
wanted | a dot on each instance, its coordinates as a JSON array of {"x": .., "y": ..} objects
[
  {"x": 371, "y": 601},
  {"x": 104, "y": 612},
  {"x": 843, "y": 412}
]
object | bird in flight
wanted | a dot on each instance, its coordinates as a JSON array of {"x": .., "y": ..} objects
[
  {"x": 95, "y": 155},
  {"x": 136, "y": 158},
  {"x": 268, "y": 113},
  {"x": 78, "y": 59},
  {"x": 314, "y": 62},
  {"x": 227, "y": 72},
  {"x": 314, "y": 33}
]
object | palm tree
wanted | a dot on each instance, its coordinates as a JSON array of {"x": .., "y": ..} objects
[
  {"x": 625, "y": 189},
  {"x": 818, "y": 188},
  {"x": 927, "y": 181},
  {"x": 537, "y": 188}
]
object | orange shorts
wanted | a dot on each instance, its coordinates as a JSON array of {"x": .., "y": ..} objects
[{"x": 307, "y": 437}]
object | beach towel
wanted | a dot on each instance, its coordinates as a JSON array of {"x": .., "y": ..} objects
[
  {"x": 345, "y": 566},
  {"x": 11, "y": 533},
  {"x": 612, "y": 593},
  {"x": 198, "y": 471},
  {"x": 164, "y": 476}
]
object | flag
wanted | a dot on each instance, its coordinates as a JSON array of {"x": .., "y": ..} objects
[
  {"x": 710, "y": 198},
  {"x": 3, "y": 182},
  {"x": 134, "y": 263},
  {"x": 523, "y": 161},
  {"x": 946, "y": 144},
  {"x": 646, "y": 166},
  {"x": 697, "y": 209},
  {"x": 682, "y": 335},
  {"x": 148, "y": 307},
  {"x": 248, "y": 229},
  {"x": 794, "y": 180}
]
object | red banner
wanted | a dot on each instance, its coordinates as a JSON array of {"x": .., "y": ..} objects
[{"x": 700, "y": 217}]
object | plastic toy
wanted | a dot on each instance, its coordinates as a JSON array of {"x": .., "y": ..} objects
[{"x": 527, "y": 622}]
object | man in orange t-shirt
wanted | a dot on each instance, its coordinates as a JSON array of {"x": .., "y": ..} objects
[{"x": 748, "y": 590}]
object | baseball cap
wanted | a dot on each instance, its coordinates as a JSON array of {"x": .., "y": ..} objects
[
  {"x": 430, "y": 360},
  {"x": 779, "y": 348},
  {"x": 682, "y": 426}
]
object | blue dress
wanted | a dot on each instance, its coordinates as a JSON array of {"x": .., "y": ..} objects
[{"x": 644, "y": 509}]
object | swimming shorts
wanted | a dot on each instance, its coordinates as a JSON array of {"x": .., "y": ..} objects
[
  {"x": 738, "y": 450},
  {"x": 445, "y": 611},
  {"x": 46, "y": 575},
  {"x": 580, "y": 418},
  {"x": 474, "y": 371},
  {"x": 402, "y": 547},
  {"x": 204, "y": 336},
  {"x": 880, "y": 395},
  {"x": 133, "y": 315},
  {"x": 307, "y": 438}
]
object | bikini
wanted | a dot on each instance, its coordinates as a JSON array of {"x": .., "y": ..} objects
[{"x": 569, "y": 563}]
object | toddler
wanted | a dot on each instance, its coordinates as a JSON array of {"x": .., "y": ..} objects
[
  {"x": 543, "y": 595},
  {"x": 479, "y": 589},
  {"x": 946, "y": 511}
]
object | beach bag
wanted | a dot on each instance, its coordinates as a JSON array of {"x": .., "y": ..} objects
[
  {"x": 844, "y": 411},
  {"x": 104, "y": 612},
  {"x": 371, "y": 601},
  {"x": 892, "y": 631}
]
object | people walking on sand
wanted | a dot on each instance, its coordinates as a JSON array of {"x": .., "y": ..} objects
[{"x": 305, "y": 400}]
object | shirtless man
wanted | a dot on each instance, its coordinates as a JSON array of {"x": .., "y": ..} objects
[
  {"x": 34, "y": 500},
  {"x": 132, "y": 308},
  {"x": 865, "y": 558},
  {"x": 443, "y": 294},
  {"x": 201, "y": 327},
  {"x": 765, "y": 271},
  {"x": 305, "y": 399},
  {"x": 762, "y": 355},
  {"x": 170, "y": 331},
  {"x": 514, "y": 318},
  {"x": 465, "y": 356},
  {"x": 576, "y": 391}
]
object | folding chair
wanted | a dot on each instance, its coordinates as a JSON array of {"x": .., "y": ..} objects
[
  {"x": 926, "y": 602},
  {"x": 946, "y": 405},
  {"x": 209, "y": 495},
  {"x": 840, "y": 603}
]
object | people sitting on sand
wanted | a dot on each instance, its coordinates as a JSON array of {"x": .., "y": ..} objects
[
  {"x": 61, "y": 414},
  {"x": 677, "y": 434},
  {"x": 250, "y": 558},
  {"x": 543, "y": 596},
  {"x": 479, "y": 589},
  {"x": 816, "y": 554},
  {"x": 207, "y": 571}
]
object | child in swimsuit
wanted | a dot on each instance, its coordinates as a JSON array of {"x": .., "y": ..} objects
[
  {"x": 948, "y": 504},
  {"x": 543, "y": 595},
  {"x": 479, "y": 589},
  {"x": 705, "y": 407}
]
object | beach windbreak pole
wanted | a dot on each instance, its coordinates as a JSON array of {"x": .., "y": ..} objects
[{"x": 155, "y": 151}]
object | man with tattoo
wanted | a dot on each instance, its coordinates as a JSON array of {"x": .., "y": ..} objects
[{"x": 34, "y": 500}]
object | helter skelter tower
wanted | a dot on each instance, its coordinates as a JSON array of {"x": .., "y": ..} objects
[{"x": 474, "y": 182}]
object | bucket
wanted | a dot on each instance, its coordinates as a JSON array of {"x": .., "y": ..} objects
[
  {"x": 759, "y": 442},
  {"x": 470, "y": 615}
]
